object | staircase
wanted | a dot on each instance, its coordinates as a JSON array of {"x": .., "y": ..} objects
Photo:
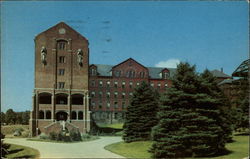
[{"x": 58, "y": 126}]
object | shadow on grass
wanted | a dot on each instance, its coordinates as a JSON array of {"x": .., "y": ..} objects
[
  {"x": 27, "y": 156},
  {"x": 242, "y": 134},
  {"x": 219, "y": 154},
  {"x": 15, "y": 151}
]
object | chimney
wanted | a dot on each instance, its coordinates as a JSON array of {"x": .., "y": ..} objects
[{"x": 221, "y": 69}]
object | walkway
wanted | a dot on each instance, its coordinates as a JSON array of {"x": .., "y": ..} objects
[{"x": 90, "y": 149}]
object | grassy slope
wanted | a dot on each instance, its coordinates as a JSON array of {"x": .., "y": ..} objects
[
  {"x": 17, "y": 151},
  {"x": 239, "y": 149},
  {"x": 10, "y": 129}
]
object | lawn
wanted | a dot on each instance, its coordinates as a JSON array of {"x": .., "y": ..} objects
[
  {"x": 8, "y": 130},
  {"x": 115, "y": 125},
  {"x": 17, "y": 151},
  {"x": 237, "y": 150}
]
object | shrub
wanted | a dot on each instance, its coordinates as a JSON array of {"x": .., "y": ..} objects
[
  {"x": 52, "y": 136},
  {"x": 86, "y": 136},
  {"x": 75, "y": 136},
  {"x": 19, "y": 129},
  {"x": 17, "y": 133},
  {"x": 43, "y": 136}
]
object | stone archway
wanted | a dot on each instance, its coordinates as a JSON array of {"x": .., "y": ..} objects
[{"x": 61, "y": 116}]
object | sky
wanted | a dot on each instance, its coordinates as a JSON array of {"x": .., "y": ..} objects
[{"x": 211, "y": 34}]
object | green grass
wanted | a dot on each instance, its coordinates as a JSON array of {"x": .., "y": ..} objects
[
  {"x": 237, "y": 149},
  {"x": 115, "y": 125},
  {"x": 17, "y": 151},
  {"x": 10, "y": 129}
]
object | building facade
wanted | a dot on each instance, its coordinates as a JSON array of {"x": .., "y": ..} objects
[
  {"x": 60, "y": 97},
  {"x": 111, "y": 87}
]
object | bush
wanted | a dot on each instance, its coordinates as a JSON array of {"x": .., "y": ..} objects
[
  {"x": 25, "y": 134},
  {"x": 43, "y": 136},
  {"x": 86, "y": 136},
  {"x": 17, "y": 133},
  {"x": 75, "y": 136},
  {"x": 19, "y": 129},
  {"x": 52, "y": 136}
]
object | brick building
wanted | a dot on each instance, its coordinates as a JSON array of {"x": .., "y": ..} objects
[
  {"x": 110, "y": 87},
  {"x": 61, "y": 81}
]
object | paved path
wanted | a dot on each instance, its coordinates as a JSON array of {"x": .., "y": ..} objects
[{"x": 89, "y": 149}]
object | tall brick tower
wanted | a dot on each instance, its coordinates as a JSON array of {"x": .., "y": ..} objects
[{"x": 61, "y": 81}]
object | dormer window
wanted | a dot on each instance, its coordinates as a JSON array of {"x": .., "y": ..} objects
[
  {"x": 93, "y": 72},
  {"x": 165, "y": 75},
  {"x": 130, "y": 74},
  {"x": 117, "y": 73}
]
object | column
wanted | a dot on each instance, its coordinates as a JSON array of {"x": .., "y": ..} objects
[
  {"x": 84, "y": 112},
  {"x": 69, "y": 107},
  {"x": 87, "y": 114},
  {"x": 53, "y": 107},
  {"x": 37, "y": 112}
]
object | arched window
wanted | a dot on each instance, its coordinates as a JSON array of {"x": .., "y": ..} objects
[
  {"x": 73, "y": 115},
  {"x": 165, "y": 75},
  {"x": 41, "y": 114},
  {"x": 80, "y": 115},
  {"x": 48, "y": 114}
]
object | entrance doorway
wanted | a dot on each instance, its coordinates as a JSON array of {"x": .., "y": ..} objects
[{"x": 61, "y": 116}]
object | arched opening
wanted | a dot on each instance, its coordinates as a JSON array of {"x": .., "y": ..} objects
[
  {"x": 48, "y": 114},
  {"x": 77, "y": 99},
  {"x": 61, "y": 116},
  {"x": 45, "y": 98},
  {"x": 73, "y": 115},
  {"x": 80, "y": 115},
  {"x": 41, "y": 114},
  {"x": 61, "y": 99}
]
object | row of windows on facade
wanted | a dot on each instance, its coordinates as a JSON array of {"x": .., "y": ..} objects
[
  {"x": 108, "y": 105},
  {"x": 130, "y": 74},
  {"x": 123, "y": 84},
  {"x": 74, "y": 115},
  {"x": 108, "y": 94}
]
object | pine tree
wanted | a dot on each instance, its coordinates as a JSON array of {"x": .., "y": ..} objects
[
  {"x": 189, "y": 117},
  {"x": 141, "y": 114}
]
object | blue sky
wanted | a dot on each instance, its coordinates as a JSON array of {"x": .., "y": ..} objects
[{"x": 208, "y": 34}]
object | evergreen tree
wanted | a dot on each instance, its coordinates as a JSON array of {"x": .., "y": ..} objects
[
  {"x": 141, "y": 114},
  {"x": 10, "y": 116},
  {"x": 189, "y": 124}
]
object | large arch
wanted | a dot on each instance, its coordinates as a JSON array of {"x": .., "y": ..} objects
[
  {"x": 77, "y": 99},
  {"x": 61, "y": 115},
  {"x": 45, "y": 98},
  {"x": 61, "y": 98}
]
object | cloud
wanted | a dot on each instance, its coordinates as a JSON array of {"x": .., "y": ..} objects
[{"x": 170, "y": 63}]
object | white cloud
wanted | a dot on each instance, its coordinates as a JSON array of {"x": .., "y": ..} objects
[{"x": 170, "y": 63}]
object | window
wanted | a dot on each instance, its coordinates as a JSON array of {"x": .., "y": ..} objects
[
  {"x": 166, "y": 85},
  {"x": 100, "y": 104},
  {"x": 123, "y": 84},
  {"x": 142, "y": 74},
  {"x": 152, "y": 84},
  {"x": 115, "y": 94},
  {"x": 108, "y": 105},
  {"x": 130, "y": 84},
  {"x": 92, "y": 71},
  {"x": 131, "y": 94},
  {"x": 123, "y": 105},
  {"x": 158, "y": 85},
  {"x": 116, "y": 116},
  {"x": 108, "y": 83},
  {"x": 80, "y": 115},
  {"x": 93, "y": 104},
  {"x": 61, "y": 85},
  {"x": 116, "y": 84},
  {"x": 165, "y": 75},
  {"x": 93, "y": 83},
  {"x": 108, "y": 94},
  {"x": 61, "y": 72},
  {"x": 137, "y": 83},
  {"x": 61, "y": 59},
  {"x": 130, "y": 74},
  {"x": 123, "y": 95},
  {"x": 100, "y": 84},
  {"x": 92, "y": 94},
  {"x": 117, "y": 73},
  {"x": 100, "y": 94},
  {"x": 62, "y": 45},
  {"x": 116, "y": 105}
]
